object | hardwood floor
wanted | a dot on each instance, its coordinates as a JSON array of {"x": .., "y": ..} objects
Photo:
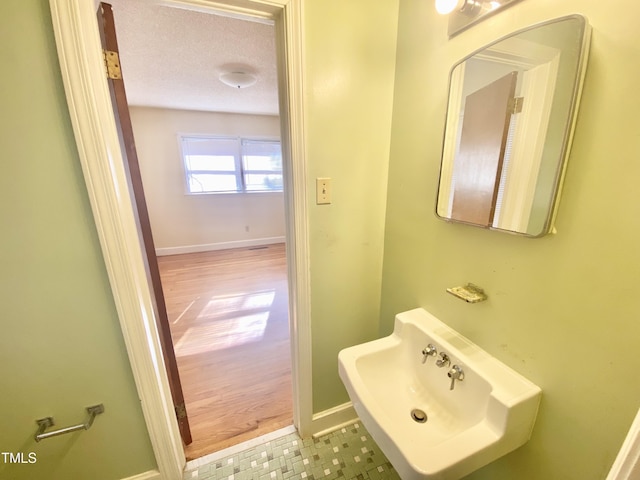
[{"x": 228, "y": 311}]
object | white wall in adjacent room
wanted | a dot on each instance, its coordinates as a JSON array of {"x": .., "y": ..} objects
[{"x": 182, "y": 222}]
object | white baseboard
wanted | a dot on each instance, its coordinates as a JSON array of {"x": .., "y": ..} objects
[
  {"x": 333, "y": 419},
  {"x": 150, "y": 475},
  {"x": 254, "y": 242}
]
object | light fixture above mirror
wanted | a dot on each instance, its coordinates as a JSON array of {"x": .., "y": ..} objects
[{"x": 464, "y": 13}]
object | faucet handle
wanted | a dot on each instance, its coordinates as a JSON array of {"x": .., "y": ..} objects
[
  {"x": 429, "y": 351},
  {"x": 456, "y": 373},
  {"x": 444, "y": 360}
]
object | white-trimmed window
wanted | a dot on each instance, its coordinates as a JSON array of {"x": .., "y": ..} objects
[{"x": 231, "y": 165}]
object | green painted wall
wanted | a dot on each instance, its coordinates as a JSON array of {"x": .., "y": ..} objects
[
  {"x": 349, "y": 50},
  {"x": 563, "y": 309},
  {"x": 60, "y": 320},
  {"x": 61, "y": 348}
]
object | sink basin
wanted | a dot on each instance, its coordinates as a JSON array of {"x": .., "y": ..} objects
[{"x": 426, "y": 429}]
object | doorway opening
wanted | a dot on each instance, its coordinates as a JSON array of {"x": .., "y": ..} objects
[
  {"x": 100, "y": 154},
  {"x": 227, "y": 308}
]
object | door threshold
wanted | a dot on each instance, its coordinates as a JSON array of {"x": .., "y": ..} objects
[{"x": 212, "y": 457}]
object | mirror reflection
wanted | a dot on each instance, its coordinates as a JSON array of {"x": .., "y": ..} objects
[{"x": 509, "y": 122}]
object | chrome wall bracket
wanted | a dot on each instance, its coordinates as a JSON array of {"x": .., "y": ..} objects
[{"x": 47, "y": 422}]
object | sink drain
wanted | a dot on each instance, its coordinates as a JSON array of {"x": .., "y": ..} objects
[{"x": 418, "y": 415}]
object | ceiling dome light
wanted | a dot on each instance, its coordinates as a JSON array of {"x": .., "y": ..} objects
[
  {"x": 238, "y": 79},
  {"x": 445, "y": 7}
]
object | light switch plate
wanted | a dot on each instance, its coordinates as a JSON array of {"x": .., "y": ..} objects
[{"x": 323, "y": 191}]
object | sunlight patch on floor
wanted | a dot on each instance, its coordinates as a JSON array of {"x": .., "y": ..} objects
[
  {"x": 224, "y": 304},
  {"x": 248, "y": 324}
]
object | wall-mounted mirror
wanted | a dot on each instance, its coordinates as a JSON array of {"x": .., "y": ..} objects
[{"x": 509, "y": 125}]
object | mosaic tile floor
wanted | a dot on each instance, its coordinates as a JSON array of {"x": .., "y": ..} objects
[{"x": 348, "y": 453}]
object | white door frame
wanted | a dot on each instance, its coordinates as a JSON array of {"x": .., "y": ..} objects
[{"x": 88, "y": 98}]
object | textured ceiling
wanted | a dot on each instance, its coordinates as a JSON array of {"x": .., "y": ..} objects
[{"x": 172, "y": 58}]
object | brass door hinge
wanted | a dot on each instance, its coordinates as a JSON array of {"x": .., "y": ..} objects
[
  {"x": 112, "y": 64},
  {"x": 181, "y": 411},
  {"x": 516, "y": 104}
]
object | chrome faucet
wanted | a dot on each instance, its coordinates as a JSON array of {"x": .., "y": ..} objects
[
  {"x": 443, "y": 361},
  {"x": 456, "y": 373},
  {"x": 429, "y": 351}
]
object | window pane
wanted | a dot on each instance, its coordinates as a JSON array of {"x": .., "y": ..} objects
[
  {"x": 261, "y": 155},
  {"x": 255, "y": 182},
  {"x": 205, "y": 182},
  {"x": 262, "y": 162},
  {"x": 261, "y": 147},
  {"x": 262, "y": 165},
  {"x": 225, "y": 163}
]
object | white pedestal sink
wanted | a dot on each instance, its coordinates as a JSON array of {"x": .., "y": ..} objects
[{"x": 426, "y": 429}]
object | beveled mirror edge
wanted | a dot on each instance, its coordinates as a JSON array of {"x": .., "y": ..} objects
[
  {"x": 576, "y": 95},
  {"x": 583, "y": 60}
]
